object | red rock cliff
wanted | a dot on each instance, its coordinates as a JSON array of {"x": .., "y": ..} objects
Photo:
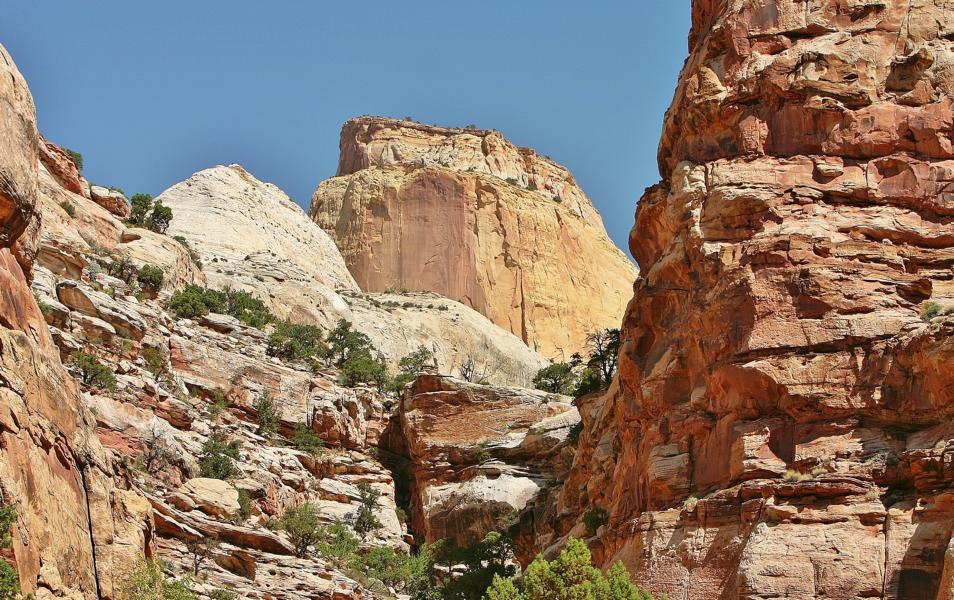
[
  {"x": 76, "y": 534},
  {"x": 783, "y": 425}
]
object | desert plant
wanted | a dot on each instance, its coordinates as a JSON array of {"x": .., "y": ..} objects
[
  {"x": 930, "y": 310},
  {"x": 306, "y": 440},
  {"x": 155, "y": 361},
  {"x": 570, "y": 576},
  {"x": 363, "y": 367},
  {"x": 291, "y": 341},
  {"x": 91, "y": 371},
  {"x": 150, "y": 279},
  {"x": 140, "y": 205},
  {"x": 68, "y": 208},
  {"x": 148, "y": 582},
  {"x": 218, "y": 457},
  {"x": 201, "y": 548},
  {"x": 302, "y": 523},
  {"x": 557, "y": 378},
  {"x": 336, "y": 541},
  {"x": 595, "y": 518},
  {"x": 160, "y": 217},
  {"x": 76, "y": 157},
  {"x": 364, "y": 520},
  {"x": 266, "y": 411}
]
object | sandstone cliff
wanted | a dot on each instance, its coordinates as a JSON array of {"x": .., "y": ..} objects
[
  {"x": 782, "y": 422},
  {"x": 465, "y": 213},
  {"x": 74, "y": 524}
]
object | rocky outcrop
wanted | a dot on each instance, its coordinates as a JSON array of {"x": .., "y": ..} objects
[
  {"x": 479, "y": 454},
  {"x": 466, "y": 214},
  {"x": 781, "y": 424},
  {"x": 77, "y": 533},
  {"x": 249, "y": 235}
]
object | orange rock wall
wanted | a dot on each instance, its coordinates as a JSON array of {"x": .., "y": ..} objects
[{"x": 782, "y": 422}]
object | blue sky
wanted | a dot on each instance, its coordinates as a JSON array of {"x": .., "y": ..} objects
[{"x": 151, "y": 92}]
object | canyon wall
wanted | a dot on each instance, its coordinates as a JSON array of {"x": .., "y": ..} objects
[
  {"x": 782, "y": 423},
  {"x": 77, "y": 534},
  {"x": 466, "y": 214}
]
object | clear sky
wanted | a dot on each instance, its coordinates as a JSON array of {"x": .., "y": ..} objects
[{"x": 151, "y": 92}]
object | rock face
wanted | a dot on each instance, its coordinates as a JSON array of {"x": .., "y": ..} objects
[
  {"x": 782, "y": 422},
  {"x": 466, "y": 214},
  {"x": 249, "y": 235},
  {"x": 76, "y": 533},
  {"x": 479, "y": 454}
]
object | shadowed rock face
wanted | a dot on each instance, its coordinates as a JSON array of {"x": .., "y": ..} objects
[
  {"x": 466, "y": 214},
  {"x": 782, "y": 423}
]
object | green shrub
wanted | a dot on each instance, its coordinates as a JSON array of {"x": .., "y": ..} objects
[
  {"x": 140, "y": 205},
  {"x": 68, "y": 208},
  {"x": 148, "y": 582},
  {"x": 575, "y": 430},
  {"x": 266, "y": 411},
  {"x": 409, "y": 367},
  {"x": 9, "y": 582},
  {"x": 335, "y": 541},
  {"x": 218, "y": 457},
  {"x": 196, "y": 301},
  {"x": 122, "y": 268},
  {"x": 595, "y": 518},
  {"x": 306, "y": 440},
  {"x": 362, "y": 367},
  {"x": 218, "y": 405},
  {"x": 8, "y": 516},
  {"x": 160, "y": 217},
  {"x": 364, "y": 520},
  {"x": 150, "y": 278},
  {"x": 291, "y": 341},
  {"x": 345, "y": 341},
  {"x": 393, "y": 569},
  {"x": 91, "y": 371},
  {"x": 220, "y": 594},
  {"x": 245, "y": 506},
  {"x": 557, "y": 378},
  {"x": 571, "y": 576},
  {"x": 489, "y": 558},
  {"x": 302, "y": 523},
  {"x": 155, "y": 361},
  {"x": 76, "y": 157},
  {"x": 930, "y": 310}
]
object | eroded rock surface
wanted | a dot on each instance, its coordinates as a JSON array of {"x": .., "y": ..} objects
[
  {"x": 466, "y": 214},
  {"x": 782, "y": 422},
  {"x": 480, "y": 454},
  {"x": 249, "y": 235}
]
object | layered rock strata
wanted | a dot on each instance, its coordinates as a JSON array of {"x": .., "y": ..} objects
[
  {"x": 466, "y": 214},
  {"x": 782, "y": 422}
]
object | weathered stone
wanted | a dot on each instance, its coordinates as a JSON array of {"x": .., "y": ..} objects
[{"x": 466, "y": 214}]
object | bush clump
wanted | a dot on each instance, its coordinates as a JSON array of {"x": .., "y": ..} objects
[
  {"x": 150, "y": 279},
  {"x": 291, "y": 341},
  {"x": 266, "y": 410},
  {"x": 557, "y": 378},
  {"x": 197, "y": 301},
  {"x": 153, "y": 215},
  {"x": 569, "y": 577},
  {"x": 218, "y": 457},
  {"x": 305, "y": 440},
  {"x": 302, "y": 523},
  {"x": 148, "y": 582},
  {"x": 409, "y": 367},
  {"x": 364, "y": 520},
  {"x": 91, "y": 371},
  {"x": 76, "y": 157},
  {"x": 68, "y": 208},
  {"x": 595, "y": 518}
]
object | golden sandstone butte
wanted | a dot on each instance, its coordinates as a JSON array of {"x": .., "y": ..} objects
[{"x": 467, "y": 214}]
